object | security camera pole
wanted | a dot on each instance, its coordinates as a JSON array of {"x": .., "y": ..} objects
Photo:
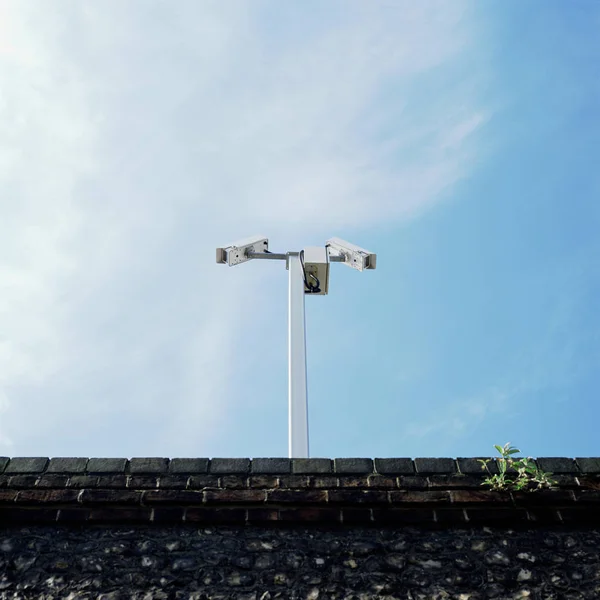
[{"x": 308, "y": 274}]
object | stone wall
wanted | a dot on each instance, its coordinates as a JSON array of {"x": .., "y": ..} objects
[
  {"x": 275, "y": 528},
  {"x": 257, "y": 563}
]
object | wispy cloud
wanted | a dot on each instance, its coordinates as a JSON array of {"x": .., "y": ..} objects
[{"x": 134, "y": 138}]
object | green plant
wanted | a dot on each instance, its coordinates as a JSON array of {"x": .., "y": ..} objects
[{"x": 515, "y": 473}]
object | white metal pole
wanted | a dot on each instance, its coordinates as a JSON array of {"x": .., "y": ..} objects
[{"x": 298, "y": 402}]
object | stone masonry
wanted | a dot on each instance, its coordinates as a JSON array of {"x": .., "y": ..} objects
[{"x": 309, "y": 529}]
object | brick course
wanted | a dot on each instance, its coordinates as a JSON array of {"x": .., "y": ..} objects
[{"x": 437, "y": 490}]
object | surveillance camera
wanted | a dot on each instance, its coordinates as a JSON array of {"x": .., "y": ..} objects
[
  {"x": 354, "y": 256},
  {"x": 238, "y": 252}
]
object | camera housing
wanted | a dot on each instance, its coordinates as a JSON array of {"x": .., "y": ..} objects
[
  {"x": 237, "y": 252},
  {"x": 354, "y": 256},
  {"x": 315, "y": 261}
]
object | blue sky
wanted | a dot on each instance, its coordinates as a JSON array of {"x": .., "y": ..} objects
[{"x": 459, "y": 141}]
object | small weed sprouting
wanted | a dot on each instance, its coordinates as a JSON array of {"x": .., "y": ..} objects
[{"x": 516, "y": 474}]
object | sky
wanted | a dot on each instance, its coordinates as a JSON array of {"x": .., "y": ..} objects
[{"x": 460, "y": 141}]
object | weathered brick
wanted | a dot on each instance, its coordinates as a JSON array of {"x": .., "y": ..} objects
[
  {"x": 110, "y": 497},
  {"x": 310, "y": 515},
  {"x": 382, "y": 482},
  {"x": 142, "y": 482},
  {"x": 81, "y": 481},
  {"x": 311, "y": 466},
  {"x": 457, "y": 481},
  {"x": 294, "y": 482},
  {"x": 402, "y": 516},
  {"x": 241, "y": 496},
  {"x": 354, "y": 482},
  {"x": 566, "y": 481},
  {"x": 472, "y": 466},
  {"x": 297, "y": 496},
  {"x": 189, "y": 465},
  {"x": 357, "y": 516},
  {"x": 450, "y": 516},
  {"x": 394, "y": 466},
  {"x": 544, "y": 498},
  {"x": 233, "y": 482},
  {"x": 323, "y": 482},
  {"x": 230, "y": 466},
  {"x": 263, "y": 482},
  {"x": 582, "y": 497},
  {"x": 120, "y": 515},
  {"x": 496, "y": 516},
  {"x": 73, "y": 515},
  {"x": 148, "y": 465},
  {"x": 176, "y": 482},
  {"x": 406, "y": 497},
  {"x": 475, "y": 496},
  {"x": 67, "y": 465},
  {"x": 588, "y": 482},
  {"x": 53, "y": 481},
  {"x": 358, "y": 497},
  {"x": 13, "y": 516},
  {"x": 26, "y": 465},
  {"x": 215, "y": 515},
  {"x": 199, "y": 482},
  {"x": 173, "y": 497},
  {"x": 271, "y": 466},
  {"x": 557, "y": 465},
  {"x": 418, "y": 482},
  {"x": 47, "y": 496},
  {"x": 262, "y": 515},
  {"x": 23, "y": 481},
  {"x": 107, "y": 465},
  {"x": 350, "y": 466},
  {"x": 171, "y": 514},
  {"x": 580, "y": 515},
  {"x": 7, "y": 496},
  {"x": 435, "y": 465},
  {"x": 3, "y": 462},
  {"x": 112, "y": 481},
  {"x": 543, "y": 515},
  {"x": 589, "y": 465}
]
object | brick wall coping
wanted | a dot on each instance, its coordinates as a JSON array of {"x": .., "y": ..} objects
[
  {"x": 279, "y": 491},
  {"x": 275, "y": 466}
]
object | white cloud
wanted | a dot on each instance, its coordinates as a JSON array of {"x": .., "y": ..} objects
[{"x": 136, "y": 137}]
